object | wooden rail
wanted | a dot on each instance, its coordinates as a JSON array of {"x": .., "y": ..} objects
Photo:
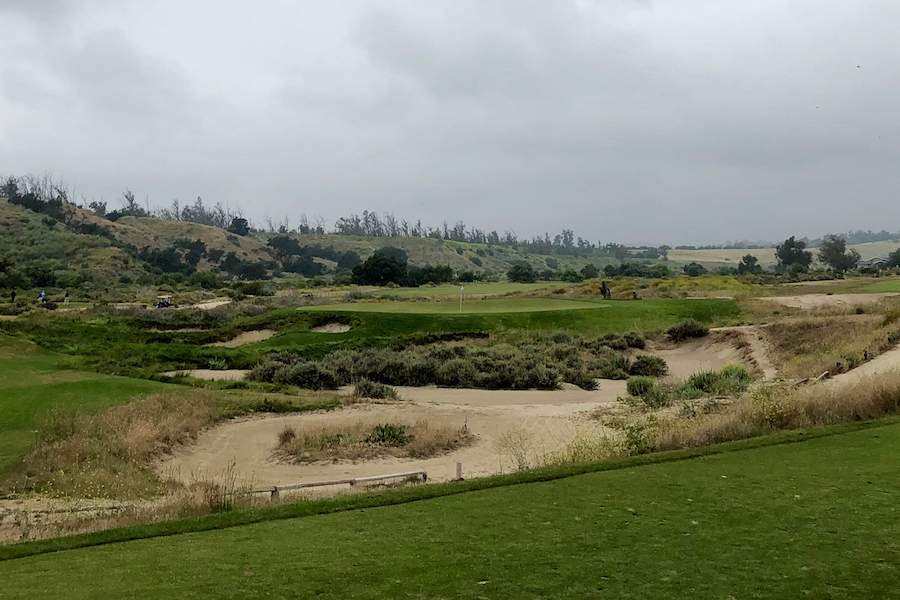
[{"x": 275, "y": 490}]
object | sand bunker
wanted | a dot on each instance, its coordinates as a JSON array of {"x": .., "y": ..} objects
[
  {"x": 812, "y": 301},
  {"x": 210, "y": 374},
  {"x": 509, "y": 425},
  {"x": 332, "y": 328},
  {"x": 704, "y": 354},
  {"x": 537, "y": 422},
  {"x": 247, "y": 337}
]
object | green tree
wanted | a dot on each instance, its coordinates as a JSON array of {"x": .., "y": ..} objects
[
  {"x": 749, "y": 264},
  {"x": 833, "y": 252},
  {"x": 590, "y": 271},
  {"x": 792, "y": 253},
  {"x": 894, "y": 258},
  {"x": 386, "y": 265},
  {"x": 522, "y": 273},
  {"x": 694, "y": 269},
  {"x": 239, "y": 226}
]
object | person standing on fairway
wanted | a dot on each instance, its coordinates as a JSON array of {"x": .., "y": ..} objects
[{"x": 12, "y": 296}]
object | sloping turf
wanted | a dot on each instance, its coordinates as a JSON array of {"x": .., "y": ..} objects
[
  {"x": 33, "y": 383},
  {"x": 816, "y": 519}
]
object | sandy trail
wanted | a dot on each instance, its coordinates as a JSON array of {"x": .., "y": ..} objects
[
  {"x": 247, "y": 337},
  {"x": 211, "y": 304},
  {"x": 812, "y": 301}
]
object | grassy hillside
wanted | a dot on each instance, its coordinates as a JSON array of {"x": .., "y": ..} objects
[
  {"x": 32, "y": 243},
  {"x": 813, "y": 519},
  {"x": 461, "y": 256}
]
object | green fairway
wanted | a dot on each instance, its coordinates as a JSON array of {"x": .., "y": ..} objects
[
  {"x": 472, "y": 290},
  {"x": 816, "y": 519},
  {"x": 471, "y": 306},
  {"x": 886, "y": 285},
  {"x": 33, "y": 383}
]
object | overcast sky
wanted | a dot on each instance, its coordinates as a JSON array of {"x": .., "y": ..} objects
[{"x": 641, "y": 121}]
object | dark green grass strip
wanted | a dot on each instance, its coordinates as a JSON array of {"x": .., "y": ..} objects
[
  {"x": 810, "y": 520},
  {"x": 412, "y": 494}
]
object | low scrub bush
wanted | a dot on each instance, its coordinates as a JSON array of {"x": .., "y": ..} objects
[
  {"x": 639, "y": 386},
  {"x": 539, "y": 361},
  {"x": 363, "y": 440},
  {"x": 686, "y": 330},
  {"x": 652, "y": 366},
  {"x": 374, "y": 391}
]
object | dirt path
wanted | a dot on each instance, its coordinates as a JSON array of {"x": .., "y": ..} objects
[
  {"x": 247, "y": 337},
  {"x": 211, "y": 304},
  {"x": 812, "y": 301}
]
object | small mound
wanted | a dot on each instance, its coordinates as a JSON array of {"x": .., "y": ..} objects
[
  {"x": 331, "y": 328},
  {"x": 247, "y": 337}
]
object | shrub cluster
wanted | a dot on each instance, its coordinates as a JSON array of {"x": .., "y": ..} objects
[
  {"x": 686, "y": 330},
  {"x": 540, "y": 361},
  {"x": 365, "y": 388},
  {"x": 731, "y": 380}
]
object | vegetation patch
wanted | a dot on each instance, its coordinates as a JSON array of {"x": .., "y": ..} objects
[
  {"x": 809, "y": 347},
  {"x": 362, "y": 440},
  {"x": 686, "y": 330},
  {"x": 537, "y": 361}
]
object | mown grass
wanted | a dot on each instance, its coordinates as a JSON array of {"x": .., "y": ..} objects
[
  {"x": 815, "y": 519},
  {"x": 452, "y": 306}
]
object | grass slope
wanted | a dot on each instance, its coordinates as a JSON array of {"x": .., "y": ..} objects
[
  {"x": 814, "y": 519},
  {"x": 31, "y": 240},
  {"x": 33, "y": 383}
]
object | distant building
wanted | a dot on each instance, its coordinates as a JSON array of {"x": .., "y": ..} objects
[{"x": 875, "y": 264}]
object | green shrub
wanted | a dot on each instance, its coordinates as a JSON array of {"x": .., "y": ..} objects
[
  {"x": 686, "y": 330},
  {"x": 640, "y": 385},
  {"x": 306, "y": 375},
  {"x": 634, "y": 340},
  {"x": 646, "y": 364},
  {"x": 730, "y": 380},
  {"x": 365, "y": 388},
  {"x": 389, "y": 434}
]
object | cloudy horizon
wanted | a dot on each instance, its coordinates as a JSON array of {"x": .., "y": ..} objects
[{"x": 638, "y": 121}]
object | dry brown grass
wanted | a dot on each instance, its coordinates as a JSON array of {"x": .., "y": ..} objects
[
  {"x": 808, "y": 347},
  {"x": 368, "y": 439},
  {"x": 779, "y": 407},
  {"x": 108, "y": 455}
]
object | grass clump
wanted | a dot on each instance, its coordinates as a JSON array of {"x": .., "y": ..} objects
[
  {"x": 363, "y": 440},
  {"x": 687, "y": 329},
  {"x": 647, "y": 365},
  {"x": 374, "y": 391},
  {"x": 780, "y": 406}
]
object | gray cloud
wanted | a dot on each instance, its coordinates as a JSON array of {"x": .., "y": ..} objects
[{"x": 629, "y": 121}]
